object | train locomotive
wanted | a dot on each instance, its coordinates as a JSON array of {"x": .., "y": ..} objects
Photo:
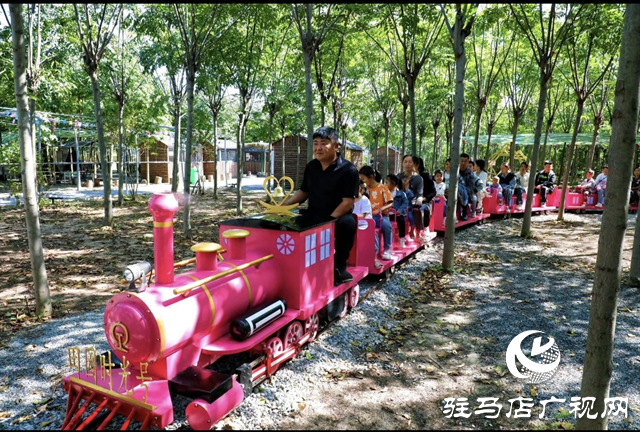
[{"x": 265, "y": 289}]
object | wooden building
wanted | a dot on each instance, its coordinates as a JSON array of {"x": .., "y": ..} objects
[
  {"x": 156, "y": 160},
  {"x": 395, "y": 159},
  {"x": 295, "y": 160}
]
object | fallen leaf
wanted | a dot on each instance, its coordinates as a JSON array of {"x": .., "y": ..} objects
[
  {"x": 534, "y": 393},
  {"x": 46, "y": 423},
  {"x": 442, "y": 354},
  {"x": 354, "y": 343},
  {"x": 383, "y": 331},
  {"x": 5, "y": 415},
  {"x": 301, "y": 406},
  {"x": 566, "y": 426}
]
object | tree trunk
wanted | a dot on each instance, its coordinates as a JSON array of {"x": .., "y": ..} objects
[
  {"x": 309, "y": 96},
  {"x": 542, "y": 101},
  {"x": 215, "y": 156},
  {"x": 475, "y": 141},
  {"x": 452, "y": 200},
  {"x": 436, "y": 141},
  {"x": 404, "y": 130},
  {"x": 121, "y": 175},
  {"x": 385, "y": 163},
  {"x": 186, "y": 223},
  {"x": 598, "y": 361},
  {"x": 32, "y": 127},
  {"x": 27, "y": 156},
  {"x": 412, "y": 106},
  {"x": 240, "y": 164},
  {"x": 488, "y": 152},
  {"x": 514, "y": 132},
  {"x": 176, "y": 149},
  {"x": 597, "y": 121},
  {"x": 544, "y": 146},
  {"x": 106, "y": 163},
  {"x": 567, "y": 170}
]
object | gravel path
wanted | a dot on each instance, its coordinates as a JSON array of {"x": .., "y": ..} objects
[{"x": 511, "y": 295}]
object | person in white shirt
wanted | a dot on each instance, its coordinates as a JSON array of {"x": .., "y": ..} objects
[
  {"x": 601, "y": 185},
  {"x": 362, "y": 207},
  {"x": 482, "y": 175},
  {"x": 522, "y": 182},
  {"x": 439, "y": 181}
]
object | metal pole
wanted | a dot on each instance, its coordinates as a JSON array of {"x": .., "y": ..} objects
[{"x": 77, "y": 159}]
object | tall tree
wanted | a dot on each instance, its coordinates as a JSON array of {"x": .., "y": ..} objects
[
  {"x": 598, "y": 360},
  {"x": 519, "y": 88},
  {"x": 27, "y": 156},
  {"x": 465, "y": 16},
  {"x": 200, "y": 26},
  {"x": 486, "y": 79},
  {"x": 553, "y": 31},
  {"x": 311, "y": 40},
  {"x": 597, "y": 104},
  {"x": 244, "y": 65},
  {"x": 121, "y": 72},
  {"x": 555, "y": 96},
  {"x": 381, "y": 83},
  {"x": 411, "y": 34},
  {"x": 94, "y": 40},
  {"x": 583, "y": 85}
]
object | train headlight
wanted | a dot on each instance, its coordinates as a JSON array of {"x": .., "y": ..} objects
[{"x": 137, "y": 271}]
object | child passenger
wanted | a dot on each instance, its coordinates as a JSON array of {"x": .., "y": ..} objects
[
  {"x": 495, "y": 188},
  {"x": 401, "y": 205},
  {"x": 362, "y": 207},
  {"x": 381, "y": 201}
]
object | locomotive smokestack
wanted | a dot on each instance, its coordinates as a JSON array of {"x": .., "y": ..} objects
[
  {"x": 237, "y": 243},
  {"x": 163, "y": 207}
]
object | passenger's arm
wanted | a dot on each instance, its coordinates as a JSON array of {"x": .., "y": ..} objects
[
  {"x": 343, "y": 208},
  {"x": 297, "y": 198}
]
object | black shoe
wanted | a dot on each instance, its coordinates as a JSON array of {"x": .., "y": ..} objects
[
  {"x": 341, "y": 276},
  {"x": 463, "y": 214}
]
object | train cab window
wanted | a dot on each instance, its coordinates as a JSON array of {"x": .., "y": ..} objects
[
  {"x": 310, "y": 250},
  {"x": 325, "y": 243}
]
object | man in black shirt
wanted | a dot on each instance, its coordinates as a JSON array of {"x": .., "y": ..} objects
[
  {"x": 330, "y": 182},
  {"x": 545, "y": 182}
]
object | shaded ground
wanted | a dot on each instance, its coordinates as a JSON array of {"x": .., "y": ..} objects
[
  {"x": 451, "y": 336},
  {"x": 447, "y": 341},
  {"x": 84, "y": 260}
]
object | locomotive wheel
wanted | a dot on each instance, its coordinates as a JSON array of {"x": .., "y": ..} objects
[
  {"x": 354, "y": 296},
  {"x": 293, "y": 334},
  {"x": 311, "y": 325},
  {"x": 346, "y": 304},
  {"x": 275, "y": 343}
]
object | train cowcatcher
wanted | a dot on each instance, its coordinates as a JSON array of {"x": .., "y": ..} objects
[{"x": 264, "y": 290}]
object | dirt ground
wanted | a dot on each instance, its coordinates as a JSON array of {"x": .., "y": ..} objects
[
  {"x": 431, "y": 356},
  {"x": 85, "y": 263},
  {"x": 84, "y": 260}
]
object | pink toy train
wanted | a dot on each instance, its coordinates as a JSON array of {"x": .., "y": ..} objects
[{"x": 264, "y": 290}]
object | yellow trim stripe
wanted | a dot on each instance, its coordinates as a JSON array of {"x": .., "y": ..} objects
[
  {"x": 206, "y": 290},
  {"x": 161, "y": 331},
  {"x": 122, "y": 397},
  {"x": 162, "y": 224},
  {"x": 246, "y": 280}
]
